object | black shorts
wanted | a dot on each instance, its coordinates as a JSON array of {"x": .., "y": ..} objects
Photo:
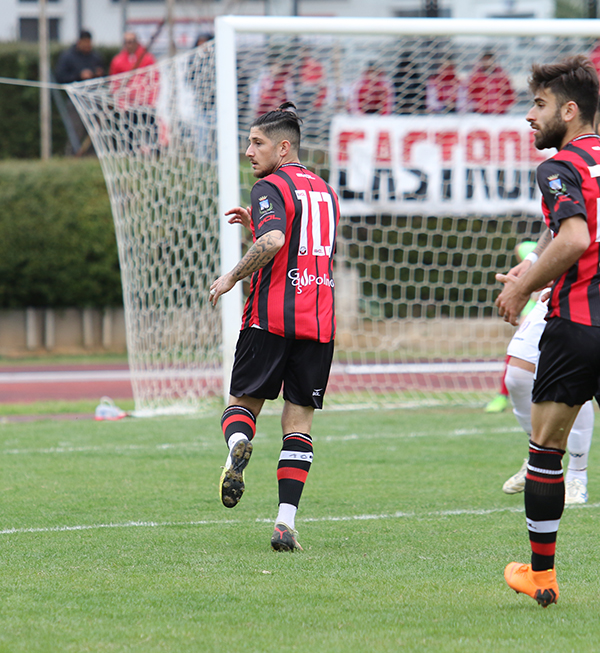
[
  {"x": 264, "y": 361},
  {"x": 568, "y": 371}
]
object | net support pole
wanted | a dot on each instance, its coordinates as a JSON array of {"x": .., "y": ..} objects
[
  {"x": 230, "y": 242},
  {"x": 44, "y": 50}
]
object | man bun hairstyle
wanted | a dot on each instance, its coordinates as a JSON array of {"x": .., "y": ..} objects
[
  {"x": 281, "y": 124},
  {"x": 573, "y": 79}
]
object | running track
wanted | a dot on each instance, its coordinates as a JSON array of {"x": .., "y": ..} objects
[{"x": 25, "y": 384}]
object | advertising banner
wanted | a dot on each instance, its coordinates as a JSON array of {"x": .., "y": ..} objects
[{"x": 435, "y": 164}]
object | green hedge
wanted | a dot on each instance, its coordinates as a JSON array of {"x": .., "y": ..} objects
[
  {"x": 57, "y": 239},
  {"x": 20, "y": 106}
]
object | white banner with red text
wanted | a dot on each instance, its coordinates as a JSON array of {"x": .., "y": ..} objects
[{"x": 435, "y": 165}]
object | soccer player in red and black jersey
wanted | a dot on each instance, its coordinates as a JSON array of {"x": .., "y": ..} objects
[
  {"x": 288, "y": 325},
  {"x": 568, "y": 372}
]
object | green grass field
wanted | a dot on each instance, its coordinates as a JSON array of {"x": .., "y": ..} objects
[{"x": 113, "y": 538}]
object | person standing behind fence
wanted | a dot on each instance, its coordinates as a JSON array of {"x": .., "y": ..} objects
[
  {"x": 135, "y": 95},
  {"x": 76, "y": 64},
  {"x": 80, "y": 61},
  {"x": 373, "y": 93},
  {"x": 489, "y": 88},
  {"x": 444, "y": 93}
]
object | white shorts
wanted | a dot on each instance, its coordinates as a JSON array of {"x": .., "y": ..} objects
[{"x": 525, "y": 342}]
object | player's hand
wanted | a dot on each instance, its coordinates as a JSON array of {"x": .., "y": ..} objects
[
  {"x": 240, "y": 215},
  {"x": 220, "y": 287},
  {"x": 511, "y": 300}
]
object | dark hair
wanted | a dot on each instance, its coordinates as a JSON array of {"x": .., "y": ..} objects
[
  {"x": 573, "y": 79},
  {"x": 281, "y": 124},
  {"x": 84, "y": 34}
]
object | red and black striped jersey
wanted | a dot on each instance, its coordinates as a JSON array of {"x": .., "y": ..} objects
[
  {"x": 570, "y": 185},
  {"x": 293, "y": 295}
]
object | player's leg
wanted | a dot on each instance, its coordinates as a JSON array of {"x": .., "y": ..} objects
[
  {"x": 578, "y": 449},
  {"x": 256, "y": 376},
  {"x": 295, "y": 460},
  {"x": 238, "y": 424},
  {"x": 567, "y": 377},
  {"x": 519, "y": 381},
  {"x": 305, "y": 381},
  {"x": 544, "y": 501},
  {"x": 523, "y": 354}
]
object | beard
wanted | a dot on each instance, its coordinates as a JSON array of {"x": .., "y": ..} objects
[{"x": 553, "y": 134}]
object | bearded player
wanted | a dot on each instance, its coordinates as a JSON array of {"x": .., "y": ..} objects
[{"x": 568, "y": 372}]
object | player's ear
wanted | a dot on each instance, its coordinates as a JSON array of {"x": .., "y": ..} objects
[
  {"x": 569, "y": 110},
  {"x": 284, "y": 148}
]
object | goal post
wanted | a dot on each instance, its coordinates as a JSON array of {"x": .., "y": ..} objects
[
  {"x": 385, "y": 351},
  {"x": 434, "y": 195}
]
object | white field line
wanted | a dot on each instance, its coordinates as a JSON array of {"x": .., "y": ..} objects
[
  {"x": 479, "y": 512},
  {"x": 217, "y": 441}
]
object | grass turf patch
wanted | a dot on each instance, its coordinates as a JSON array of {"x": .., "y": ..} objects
[{"x": 114, "y": 539}]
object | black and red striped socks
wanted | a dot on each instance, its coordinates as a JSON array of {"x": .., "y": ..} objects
[
  {"x": 237, "y": 423},
  {"x": 544, "y": 503},
  {"x": 295, "y": 460}
]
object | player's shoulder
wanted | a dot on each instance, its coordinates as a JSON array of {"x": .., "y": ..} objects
[{"x": 561, "y": 162}]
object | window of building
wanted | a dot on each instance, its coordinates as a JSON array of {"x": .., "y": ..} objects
[{"x": 28, "y": 29}]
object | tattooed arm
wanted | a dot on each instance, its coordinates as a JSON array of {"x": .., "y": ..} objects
[{"x": 261, "y": 252}]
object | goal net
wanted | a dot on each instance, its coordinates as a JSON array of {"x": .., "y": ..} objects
[{"x": 419, "y": 126}]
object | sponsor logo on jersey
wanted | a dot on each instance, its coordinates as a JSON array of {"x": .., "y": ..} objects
[
  {"x": 301, "y": 280},
  {"x": 266, "y": 219},
  {"x": 317, "y": 392}
]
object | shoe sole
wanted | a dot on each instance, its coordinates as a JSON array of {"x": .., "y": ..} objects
[
  {"x": 232, "y": 480},
  {"x": 545, "y": 597}
]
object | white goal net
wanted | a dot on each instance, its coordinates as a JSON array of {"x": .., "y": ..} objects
[{"x": 418, "y": 124}]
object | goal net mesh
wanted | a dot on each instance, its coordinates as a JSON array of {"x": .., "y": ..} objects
[{"x": 424, "y": 139}]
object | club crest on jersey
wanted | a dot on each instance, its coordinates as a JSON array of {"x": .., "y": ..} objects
[
  {"x": 264, "y": 204},
  {"x": 556, "y": 185}
]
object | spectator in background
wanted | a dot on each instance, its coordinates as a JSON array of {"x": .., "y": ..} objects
[
  {"x": 134, "y": 94},
  {"x": 76, "y": 64},
  {"x": 132, "y": 56},
  {"x": 443, "y": 93},
  {"x": 489, "y": 88},
  {"x": 373, "y": 93},
  {"x": 274, "y": 85},
  {"x": 311, "y": 93},
  {"x": 408, "y": 86},
  {"x": 80, "y": 61}
]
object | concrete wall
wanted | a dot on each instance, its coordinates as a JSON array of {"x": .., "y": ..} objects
[{"x": 62, "y": 331}]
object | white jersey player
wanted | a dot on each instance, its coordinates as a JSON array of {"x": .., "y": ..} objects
[{"x": 524, "y": 353}]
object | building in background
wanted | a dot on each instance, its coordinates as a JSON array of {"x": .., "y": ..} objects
[{"x": 107, "y": 19}]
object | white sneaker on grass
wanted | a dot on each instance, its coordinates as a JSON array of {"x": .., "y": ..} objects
[
  {"x": 575, "y": 492},
  {"x": 516, "y": 483}
]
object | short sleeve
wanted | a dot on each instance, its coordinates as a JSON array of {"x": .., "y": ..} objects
[
  {"x": 561, "y": 187},
  {"x": 268, "y": 208}
]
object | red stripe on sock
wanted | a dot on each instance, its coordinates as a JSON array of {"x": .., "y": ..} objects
[
  {"x": 543, "y": 549},
  {"x": 292, "y": 473},
  {"x": 544, "y": 479},
  {"x": 297, "y": 437},
  {"x": 239, "y": 418}
]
